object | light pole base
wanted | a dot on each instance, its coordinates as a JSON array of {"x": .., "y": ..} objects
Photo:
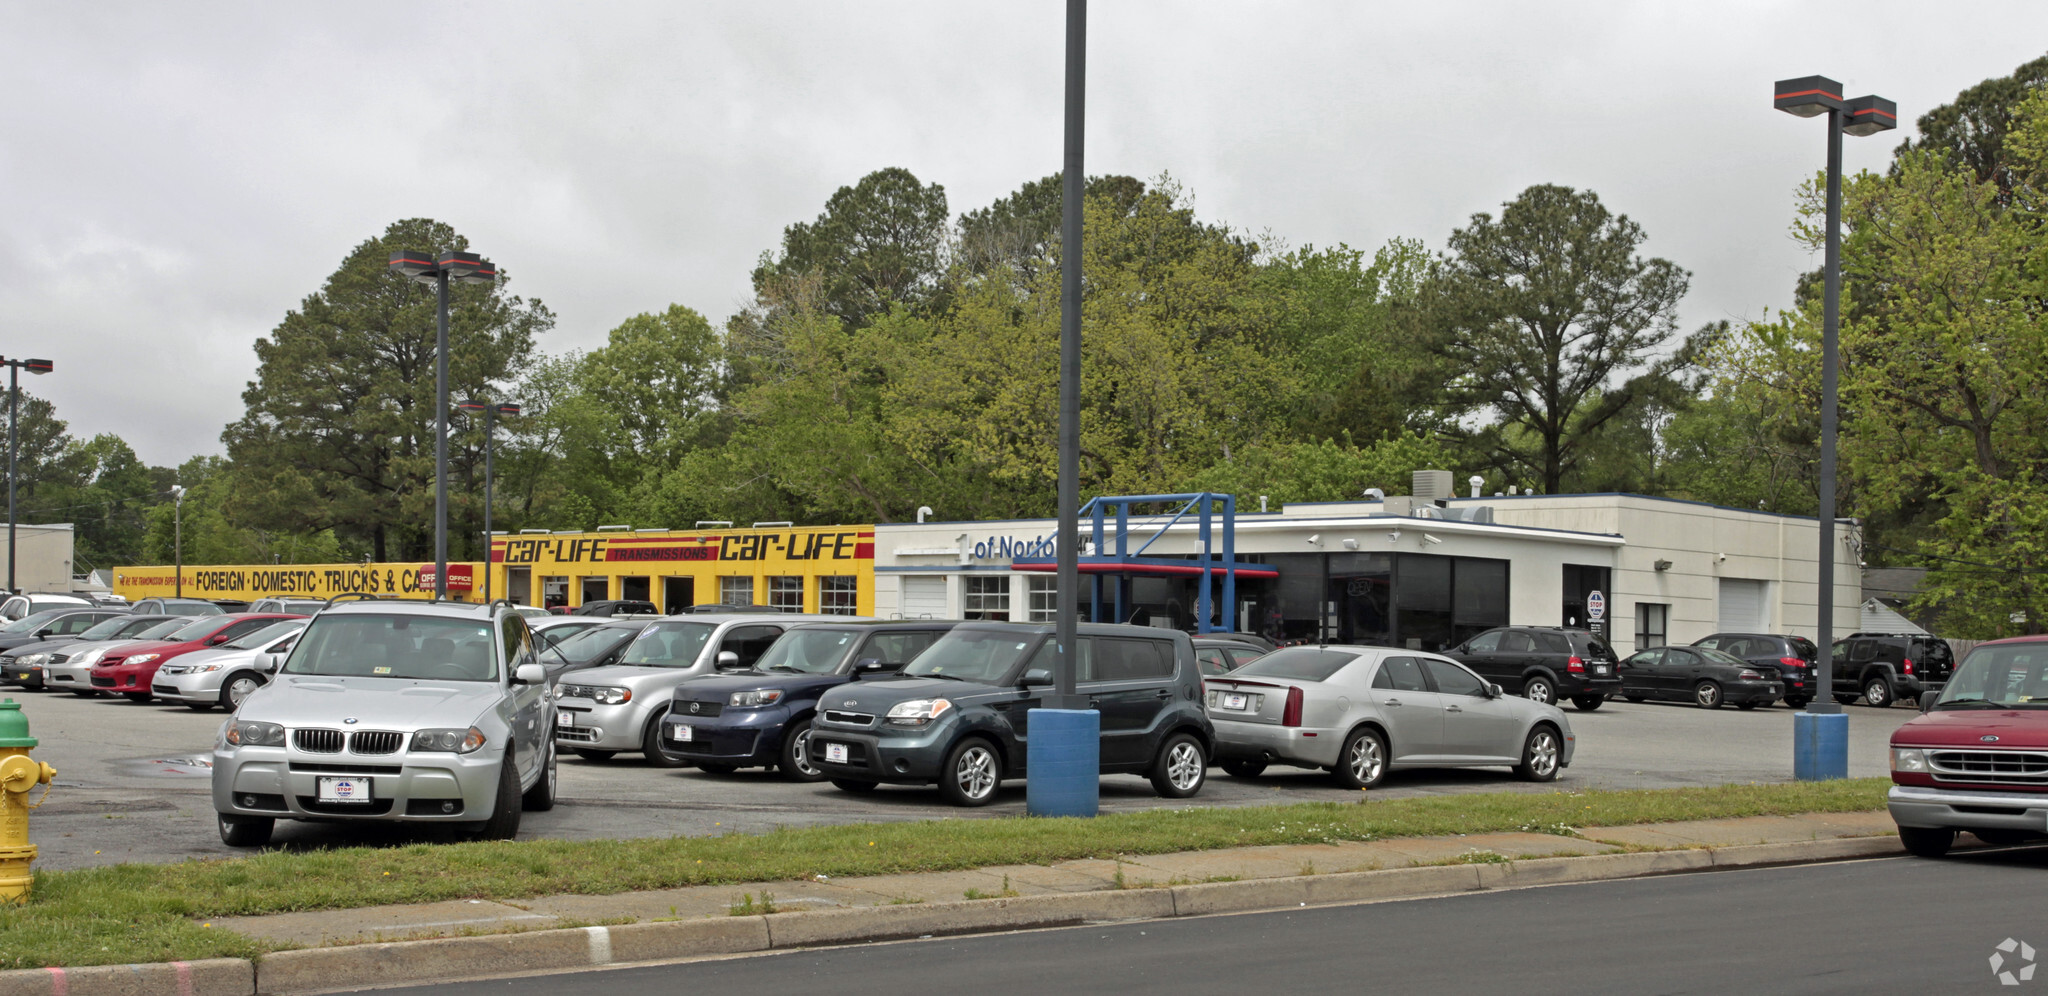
[
  {"x": 1063, "y": 762},
  {"x": 1820, "y": 746}
]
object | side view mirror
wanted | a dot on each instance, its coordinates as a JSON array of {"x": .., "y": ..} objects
[
  {"x": 1035, "y": 677},
  {"x": 45, "y": 633},
  {"x": 268, "y": 663},
  {"x": 216, "y": 639},
  {"x": 727, "y": 660},
  {"x": 1493, "y": 691},
  {"x": 530, "y": 674},
  {"x": 1927, "y": 700},
  {"x": 875, "y": 665}
]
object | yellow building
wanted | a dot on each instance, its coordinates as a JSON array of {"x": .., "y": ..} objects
[
  {"x": 249, "y": 582},
  {"x": 801, "y": 569}
]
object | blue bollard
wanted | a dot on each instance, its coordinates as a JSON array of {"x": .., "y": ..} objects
[
  {"x": 1063, "y": 762},
  {"x": 1820, "y": 746}
]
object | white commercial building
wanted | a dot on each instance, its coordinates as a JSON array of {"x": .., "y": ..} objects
[{"x": 1415, "y": 572}]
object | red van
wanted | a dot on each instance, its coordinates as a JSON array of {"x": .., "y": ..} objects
[{"x": 1976, "y": 760}]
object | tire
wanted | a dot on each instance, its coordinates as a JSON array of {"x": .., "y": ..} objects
[
  {"x": 1927, "y": 842},
  {"x": 1588, "y": 703},
  {"x": 1877, "y": 692},
  {"x": 1240, "y": 768},
  {"x": 1746, "y": 706},
  {"x": 594, "y": 755},
  {"x": 139, "y": 698},
  {"x": 237, "y": 688},
  {"x": 650, "y": 745},
  {"x": 796, "y": 763},
  {"x": 1362, "y": 763},
  {"x": 1634, "y": 698},
  {"x": 1539, "y": 689},
  {"x": 1181, "y": 769},
  {"x": 504, "y": 821},
  {"x": 245, "y": 831},
  {"x": 541, "y": 797},
  {"x": 1542, "y": 756},
  {"x": 1846, "y": 699},
  {"x": 1707, "y": 695},
  {"x": 199, "y": 706},
  {"x": 1799, "y": 703},
  {"x": 971, "y": 774},
  {"x": 718, "y": 769},
  {"x": 854, "y": 785}
]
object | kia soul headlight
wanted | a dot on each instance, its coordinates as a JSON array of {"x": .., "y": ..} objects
[
  {"x": 917, "y": 712},
  {"x": 755, "y": 697}
]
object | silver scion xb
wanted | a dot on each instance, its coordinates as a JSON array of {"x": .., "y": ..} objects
[
  {"x": 225, "y": 675},
  {"x": 1362, "y": 711},
  {"x": 393, "y": 710},
  {"x": 605, "y": 710}
]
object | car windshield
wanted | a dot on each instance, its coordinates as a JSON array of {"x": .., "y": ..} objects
[
  {"x": 2013, "y": 676},
  {"x": 31, "y": 622},
  {"x": 591, "y": 644},
  {"x": 158, "y": 630},
  {"x": 1719, "y": 656},
  {"x": 110, "y": 628},
  {"x": 196, "y": 629},
  {"x": 808, "y": 651},
  {"x": 668, "y": 644},
  {"x": 264, "y": 635},
  {"x": 972, "y": 655},
  {"x": 1302, "y": 663},
  {"x": 425, "y": 648}
]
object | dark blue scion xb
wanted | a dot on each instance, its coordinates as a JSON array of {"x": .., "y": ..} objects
[{"x": 762, "y": 716}]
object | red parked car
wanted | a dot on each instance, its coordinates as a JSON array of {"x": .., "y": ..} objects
[
  {"x": 1976, "y": 760},
  {"x": 128, "y": 670}
]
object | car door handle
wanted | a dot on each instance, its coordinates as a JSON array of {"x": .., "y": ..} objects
[
  {"x": 1393, "y": 702},
  {"x": 1452, "y": 708}
]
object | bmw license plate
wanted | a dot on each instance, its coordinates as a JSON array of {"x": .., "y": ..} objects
[
  {"x": 345, "y": 789},
  {"x": 1234, "y": 700},
  {"x": 681, "y": 734},
  {"x": 835, "y": 753}
]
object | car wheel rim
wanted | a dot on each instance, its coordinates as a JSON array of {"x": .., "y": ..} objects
[
  {"x": 552, "y": 774},
  {"x": 975, "y": 773},
  {"x": 1184, "y": 766},
  {"x": 1366, "y": 759},
  {"x": 1705, "y": 695},
  {"x": 238, "y": 690},
  {"x": 1875, "y": 693},
  {"x": 800, "y": 752},
  {"x": 1543, "y": 754},
  {"x": 1539, "y": 692}
]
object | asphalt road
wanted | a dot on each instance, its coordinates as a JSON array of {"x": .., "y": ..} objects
[
  {"x": 1898, "y": 925},
  {"x": 132, "y": 781}
]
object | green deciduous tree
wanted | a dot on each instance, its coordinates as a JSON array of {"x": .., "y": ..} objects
[
  {"x": 879, "y": 243},
  {"x": 1328, "y": 470}
]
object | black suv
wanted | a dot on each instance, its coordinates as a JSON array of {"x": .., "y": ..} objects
[
  {"x": 1880, "y": 668},
  {"x": 958, "y": 715},
  {"x": 1544, "y": 663},
  {"x": 1788, "y": 658}
]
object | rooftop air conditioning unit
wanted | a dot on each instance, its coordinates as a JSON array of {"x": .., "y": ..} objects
[{"x": 1434, "y": 484}]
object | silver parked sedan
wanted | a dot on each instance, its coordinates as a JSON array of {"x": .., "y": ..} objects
[
  {"x": 70, "y": 667},
  {"x": 225, "y": 675},
  {"x": 393, "y": 710},
  {"x": 1363, "y": 711}
]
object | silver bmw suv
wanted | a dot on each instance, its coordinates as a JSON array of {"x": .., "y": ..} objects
[{"x": 393, "y": 710}]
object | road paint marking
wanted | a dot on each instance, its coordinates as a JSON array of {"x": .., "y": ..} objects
[
  {"x": 184, "y": 977},
  {"x": 60, "y": 984},
  {"x": 600, "y": 944}
]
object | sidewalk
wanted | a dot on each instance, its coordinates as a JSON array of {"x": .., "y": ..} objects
[{"x": 336, "y": 950}]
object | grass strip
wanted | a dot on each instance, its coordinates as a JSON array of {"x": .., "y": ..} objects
[{"x": 144, "y": 913}]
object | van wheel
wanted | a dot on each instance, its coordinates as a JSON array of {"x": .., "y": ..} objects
[
  {"x": 1878, "y": 692},
  {"x": 245, "y": 831},
  {"x": 971, "y": 774},
  {"x": 1362, "y": 763},
  {"x": 1926, "y": 842},
  {"x": 1181, "y": 767}
]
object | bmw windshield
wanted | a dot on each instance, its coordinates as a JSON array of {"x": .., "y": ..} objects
[{"x": 424, "y": 648}]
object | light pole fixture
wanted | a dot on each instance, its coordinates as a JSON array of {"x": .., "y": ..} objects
[
  {"x": 1820, "y": 747},
  {"x": 178, "y": 539},
  {"x": 491, "y": 410},
  {"x": 14, "y": 369},
  {"x": 428, "y": 268}
]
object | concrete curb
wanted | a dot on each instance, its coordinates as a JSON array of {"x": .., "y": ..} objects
[{"x": 443, "y": 959}]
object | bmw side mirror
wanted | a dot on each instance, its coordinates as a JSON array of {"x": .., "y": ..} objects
[
  {"x": 530, "y": 674},
  {"x": 1927, "y": 700},
  {"x": 728, "y": 660},
  {"x": 1035, "y": 677}
]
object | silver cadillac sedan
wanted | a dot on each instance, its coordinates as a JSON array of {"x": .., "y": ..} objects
[
  {"x": 225, "y": 675},
  {"x": 1362, "y": 711},
  {"x": 393, "y": 710}
]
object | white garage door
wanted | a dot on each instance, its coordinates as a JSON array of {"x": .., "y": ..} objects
[
  {"x": 1742, "y": 607},
  {"x": 924, "y": 597}
]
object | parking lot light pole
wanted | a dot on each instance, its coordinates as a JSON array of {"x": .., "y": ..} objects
[
  {"x": 1820, "y": 743},
  {"x": 491, "y": 410},
  {"x": 14, "y": 369},
  {"x": 178, "y": 540},
  {"x": 439, "y": 271}
]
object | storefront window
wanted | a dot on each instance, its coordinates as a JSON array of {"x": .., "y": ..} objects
[
  {"x": 1045, "y": 598},
  {"x": 987, "y": 598},
  {"x": 839, "y": 596},
  {"x": 786, "y": 593},
  {"x": 735, "y": 591}
]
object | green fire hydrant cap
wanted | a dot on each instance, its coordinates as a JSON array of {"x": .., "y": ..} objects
[{"x": 14, "y": 726}]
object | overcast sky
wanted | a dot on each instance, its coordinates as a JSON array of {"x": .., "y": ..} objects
[{"x": 175, "y": 177}]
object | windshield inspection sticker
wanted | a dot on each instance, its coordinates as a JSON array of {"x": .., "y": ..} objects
[{"x": 380, "y": 670}]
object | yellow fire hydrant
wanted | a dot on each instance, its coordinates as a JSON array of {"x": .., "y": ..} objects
[{"x": 18, "y": 774}]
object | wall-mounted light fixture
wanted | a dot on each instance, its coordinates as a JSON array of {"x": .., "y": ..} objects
[
  {"x": 1350, "y": 544},
  {"x": 1663, "y": 565}
]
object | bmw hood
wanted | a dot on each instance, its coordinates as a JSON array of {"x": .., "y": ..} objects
[{"x": 379, "y": 703}]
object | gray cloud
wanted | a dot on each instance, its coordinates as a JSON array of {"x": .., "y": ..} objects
[{"x": 176, "y": 177}]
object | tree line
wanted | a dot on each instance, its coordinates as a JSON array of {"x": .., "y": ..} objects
[{"x": 895, "y": 355}]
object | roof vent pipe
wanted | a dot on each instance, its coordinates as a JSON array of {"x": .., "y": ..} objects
[
  {"x": 1477, "y": 482},
  {"x": 1375, "y": 494},
  {"x": 1262, "y": 503},
  {"x": 922, "y": 511}
]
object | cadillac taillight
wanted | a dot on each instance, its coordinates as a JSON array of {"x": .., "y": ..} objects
[{"x": 1291, "y": 716}]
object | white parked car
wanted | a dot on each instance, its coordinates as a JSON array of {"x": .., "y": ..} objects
[{"x": 225, "y": 675}]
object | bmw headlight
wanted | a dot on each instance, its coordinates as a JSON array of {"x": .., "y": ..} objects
[
  {"x": 1910, "y": 759},
  {"x": 755, "y": 697},
  {"x": 917, "y": 712},
  {"x": 458, "y": 741},
  {"x": 601, "y": 694},
  {"x": 243, "y": 733},
  {"x": 142, "y": 658}
]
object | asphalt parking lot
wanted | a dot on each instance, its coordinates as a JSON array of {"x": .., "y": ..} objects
[{"x": 132, "y": 781}]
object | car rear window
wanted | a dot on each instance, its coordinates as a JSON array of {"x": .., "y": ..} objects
[
  {"x": 422, "y": 648},
  {"x": 1299, "y": 663},
  {"x": 1805, "y": 648}
]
